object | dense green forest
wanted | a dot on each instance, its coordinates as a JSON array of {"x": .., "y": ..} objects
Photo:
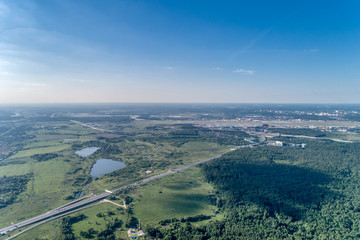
[
  {"x": 299, "y": 131},
  {"x": 11, "y": 187},
  {"x": 280, "y": 193}
]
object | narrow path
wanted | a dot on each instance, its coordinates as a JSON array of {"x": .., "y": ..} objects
[{"x": 119, "y": 205}]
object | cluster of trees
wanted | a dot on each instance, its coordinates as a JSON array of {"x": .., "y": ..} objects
[
  {"x": 196, "y": 218},
  {"x": 44, "y": 157},
  {"x": 131, "y": 222},
  {"x": 183, "y": 133},
  {"x": 81, "y": 180},
  {"x": 280, "y": 193},
  {"x": 107, "y": 233},
  {"x": 75, "y": 195},
  {"x": 108, "y": 149},
  {"x": 89, "y": 233},
  {"x": 11, "y": 187},
  {"x": 299, "y": 131},
  {"x": 175, "y": 154},
  {"x": 66, "y": 226}
]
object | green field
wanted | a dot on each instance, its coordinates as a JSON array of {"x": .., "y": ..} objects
[
  {"x": 181, "y": 195},
  {"x": 46, "y": 187},
  {"x": 176, "y": 196},
  {"x": 41, "y": 144},
  {"x": 40, "y": 153},
  {"x": 52, "y": 230},
  {"x": 62, "y": 177},
  {"x": 41, "y": 150}
]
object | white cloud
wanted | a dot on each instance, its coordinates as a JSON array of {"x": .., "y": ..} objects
[
  {"x": 16, "y": 83},
  {"x": 218, "y": 69},
  {"x": 4, "y": 62},
  {"x": 249, "y": 72},
  {"x": 36, "y": 84},
  {"x": 4, "y": 73},
  {"x": 169, "y": 68}
]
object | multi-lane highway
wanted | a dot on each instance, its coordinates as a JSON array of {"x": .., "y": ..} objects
[{"x": 71, "y": 207}]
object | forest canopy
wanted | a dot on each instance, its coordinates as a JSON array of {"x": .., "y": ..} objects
[{"x": 281, "y": 193}]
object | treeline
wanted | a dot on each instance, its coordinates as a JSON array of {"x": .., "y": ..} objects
[
  {"x": 299, "y": 131},
  {"x": 44, "y": 157},
  {"x": 280, "y": 193},
  {"x": 196, "y": 218},
  {"x": 66, "y": 226},
  {"x": 11, "y": 187},
  {"x": 184, "y": 133}
]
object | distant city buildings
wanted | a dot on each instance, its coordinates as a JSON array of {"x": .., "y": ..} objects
[{"x": 281, "y": 144}]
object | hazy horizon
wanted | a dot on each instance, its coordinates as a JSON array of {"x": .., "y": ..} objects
[{"x": 39, "y": 104}]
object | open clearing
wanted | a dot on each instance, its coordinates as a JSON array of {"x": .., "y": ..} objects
[
  {"x": 42, "y": 150},
  {"x": 175, "y": 196}
]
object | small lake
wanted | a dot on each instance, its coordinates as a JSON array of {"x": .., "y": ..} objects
[
  {"x": 86, "y": 151},
  {"x": 103, "y": 166}
]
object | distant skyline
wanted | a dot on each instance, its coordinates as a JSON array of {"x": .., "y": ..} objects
[{"x": 61, "y": 51}]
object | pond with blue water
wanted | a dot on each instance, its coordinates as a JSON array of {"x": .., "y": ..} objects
[
  {"x": 86, "y": 151},
  {"x": 103, "y": 166}
]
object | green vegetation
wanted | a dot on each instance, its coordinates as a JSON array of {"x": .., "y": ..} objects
[
  {"x": 44, "y": 157},
  {"x": 266, "y": 192},
  {"x": 59, "y": 176},
  {"x": 277, "y": 193},
  {"x": 11, "y": 187},
  {"x": 299, "y": 131},
  {"x": 43, "y": 150},
  {"x": 108, "y": 233},
  {"x": 176, "y": 196},
  {"x": 179, "y": 134},
  {"x": 101, "y": 220}
]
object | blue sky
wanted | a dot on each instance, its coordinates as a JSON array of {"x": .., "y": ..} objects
[{"x": 179, "y": 51}]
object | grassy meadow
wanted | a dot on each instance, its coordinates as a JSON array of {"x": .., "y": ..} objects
[
  {"x": 55, "y": 181},
  {"x": 175, "y": 196}
]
